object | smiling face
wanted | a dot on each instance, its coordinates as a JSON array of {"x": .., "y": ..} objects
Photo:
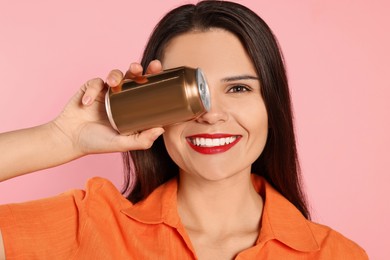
[{"x": 228, "y": 138}]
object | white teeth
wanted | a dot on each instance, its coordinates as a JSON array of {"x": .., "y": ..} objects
[{"x": 211, "y": 142}]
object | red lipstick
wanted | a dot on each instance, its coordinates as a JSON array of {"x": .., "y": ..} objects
[{"x": 212, "y": 143}]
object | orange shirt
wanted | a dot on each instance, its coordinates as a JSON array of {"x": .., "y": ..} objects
[{"x": 100, "y": 223}]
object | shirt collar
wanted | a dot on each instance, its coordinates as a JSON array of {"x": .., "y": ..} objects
[
  {"x": 159, "y": 207},
  {"x": 281, "y": 220}
]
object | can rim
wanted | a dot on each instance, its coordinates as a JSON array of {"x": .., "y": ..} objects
[
  {"x": 108, "y": 110},
  {"x": 203, "y": 89}
]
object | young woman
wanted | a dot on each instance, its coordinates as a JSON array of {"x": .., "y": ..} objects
[{"x": 223, "y": 186}]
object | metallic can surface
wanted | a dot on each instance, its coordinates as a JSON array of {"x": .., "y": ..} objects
[{"x": 170, "y": 97}]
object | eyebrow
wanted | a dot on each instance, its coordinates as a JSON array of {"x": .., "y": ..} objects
[{"x": 239, "y": 77}]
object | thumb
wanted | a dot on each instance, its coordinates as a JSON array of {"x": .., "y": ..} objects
[{"x": 143, "y": 140}]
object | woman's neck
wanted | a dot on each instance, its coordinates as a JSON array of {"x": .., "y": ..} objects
[{"x": 219, "y": 208}]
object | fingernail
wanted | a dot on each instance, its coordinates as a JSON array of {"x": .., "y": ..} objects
[
  {"x": 135, "y": 67},
  {"x": 86, "y": 100},
  {"x": 112, "y": 81}
]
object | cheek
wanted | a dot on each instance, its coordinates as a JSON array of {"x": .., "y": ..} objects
[
  {"x": 261, "y": 123},
  {"x": 174, "y": 142},
  {"x": 255, "y": 119},
  {"x": 262, "y": 126},
  {"x": 255, "y": 123}
]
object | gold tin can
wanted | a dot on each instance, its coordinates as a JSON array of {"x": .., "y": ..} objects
[{"x": 172, "y": 96}]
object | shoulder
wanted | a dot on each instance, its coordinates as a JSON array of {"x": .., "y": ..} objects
[
  {"x": 97, "y": 184},
  {"x": 30, "y": 229},
  {"x": 97, "y": 191},
  {"x": 334, "y": 244},
  {"x": 100, "y": 191}
]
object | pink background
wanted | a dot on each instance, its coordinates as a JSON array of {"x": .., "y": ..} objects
[{"x": 337, "y": 55}]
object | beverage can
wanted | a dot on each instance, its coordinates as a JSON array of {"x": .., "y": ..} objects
[{"x": 172, "y": 96}]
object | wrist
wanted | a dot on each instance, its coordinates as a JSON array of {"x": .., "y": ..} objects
[{"x": 63, "y": 140}]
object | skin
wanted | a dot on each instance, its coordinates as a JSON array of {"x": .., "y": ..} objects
[
  {"x": 81, "y": 129},
  {"x": 237, "y": 107},
  {"x": 213, "y": 187}
]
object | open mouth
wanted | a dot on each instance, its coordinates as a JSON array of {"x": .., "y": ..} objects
[{"x": 211, "y": 144}]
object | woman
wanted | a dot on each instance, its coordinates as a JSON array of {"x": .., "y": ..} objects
[{"x": 223, "y": 186}]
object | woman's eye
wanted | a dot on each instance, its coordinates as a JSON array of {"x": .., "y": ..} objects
[{"x": 238, "y": 89}]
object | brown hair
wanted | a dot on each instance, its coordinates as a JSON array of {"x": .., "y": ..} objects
[{"x": 278, "y": 163}]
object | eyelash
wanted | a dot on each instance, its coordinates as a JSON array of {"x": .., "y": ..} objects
[{"x": 239, "y": 89}]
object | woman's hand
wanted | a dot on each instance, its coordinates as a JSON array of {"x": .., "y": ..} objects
[
  {"x": 82, "y": 128},
  {"x": 84, "y": 121}
]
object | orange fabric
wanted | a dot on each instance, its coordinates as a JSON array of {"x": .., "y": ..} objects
[{"x": 100, "y": 224}]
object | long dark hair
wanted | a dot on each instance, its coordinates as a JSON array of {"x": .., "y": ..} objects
[{"x": 278, "y": 163}]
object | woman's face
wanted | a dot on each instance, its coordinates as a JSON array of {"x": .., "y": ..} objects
[{"x": 226, "y": 140}]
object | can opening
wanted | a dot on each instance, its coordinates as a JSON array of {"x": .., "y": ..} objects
[{"x": 203, "y": 89}]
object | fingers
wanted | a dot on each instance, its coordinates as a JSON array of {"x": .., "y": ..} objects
[
  {"x": 135, "y": 70},
  {"x": 91, "y": 89},
  {"x": 114, "y": 78},
  {"x": 154, "y": 67},
  {"x": 141, "y": 141}
]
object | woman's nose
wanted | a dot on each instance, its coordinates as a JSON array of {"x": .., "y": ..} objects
[{"x": 216, "y": 114}]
